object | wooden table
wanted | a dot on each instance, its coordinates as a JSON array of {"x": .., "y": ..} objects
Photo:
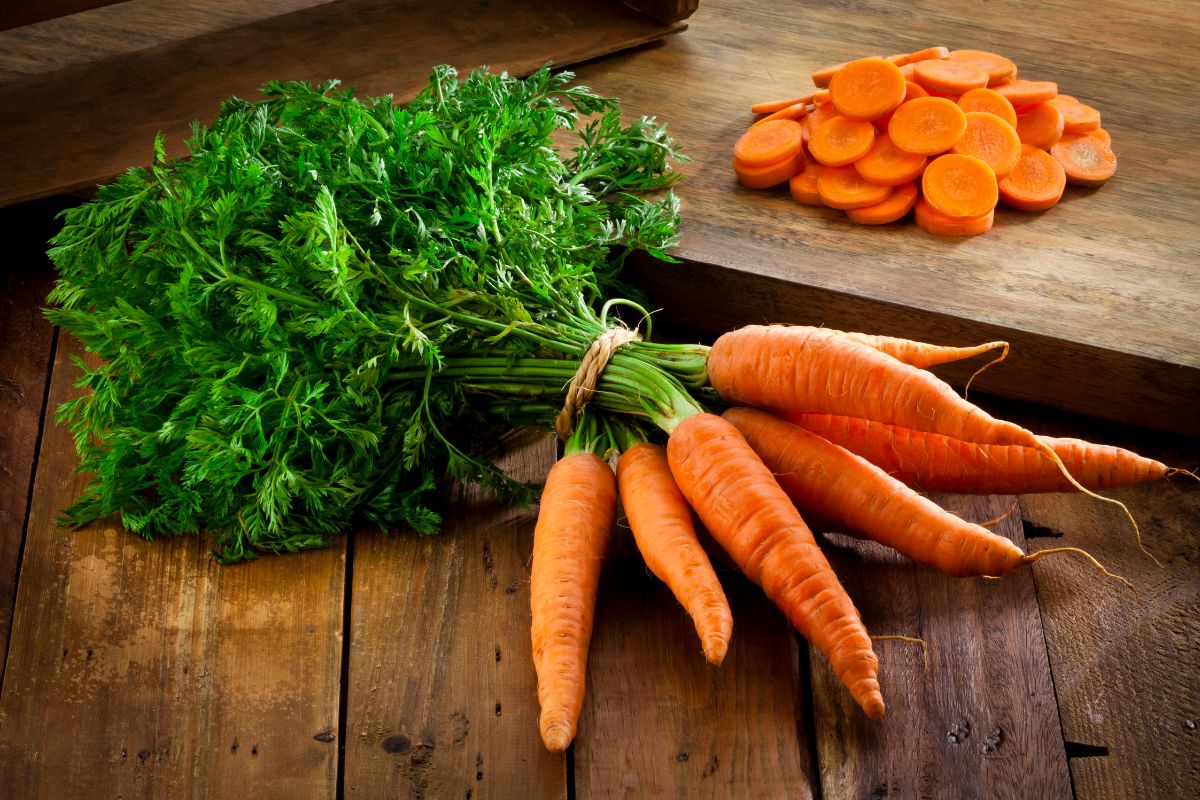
[{"x": 396, "y": 666}]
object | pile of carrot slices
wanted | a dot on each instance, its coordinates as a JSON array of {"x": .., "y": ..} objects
[{"x": 945, "y": 134}]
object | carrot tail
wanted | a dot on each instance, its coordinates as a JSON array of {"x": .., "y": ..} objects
[
  {"x": 1032, "y": 557},
  {"x": 749, "y": 515},
  {"x": 577, "y": 510},
  {"x": 921, "y": 354},
  {"x": 661, "y": 521}
]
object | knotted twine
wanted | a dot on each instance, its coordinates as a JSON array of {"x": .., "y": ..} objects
[{"x": 583, "y": 383}]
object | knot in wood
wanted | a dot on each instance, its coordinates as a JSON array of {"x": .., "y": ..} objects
[{"x": 583, "y": 383}]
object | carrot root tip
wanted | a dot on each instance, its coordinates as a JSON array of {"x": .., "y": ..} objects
[{"x": 1032, "y": 557}]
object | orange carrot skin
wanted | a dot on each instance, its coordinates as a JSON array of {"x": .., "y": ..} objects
[
  {"x": 749, "y": 515},
  {"x": 930, "y": 462},
  {"x": 661, "y": 521},
  {"x": 577, "y": 510},
  {"x": 921, "y": 354},
  {"x": 800, "y": 368},
  {"x": 849, "y": 490}
]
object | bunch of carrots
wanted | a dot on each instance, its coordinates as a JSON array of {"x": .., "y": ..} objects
[
  {"x": 844, "y": 426},
  {"x": 944, "y": 133}
]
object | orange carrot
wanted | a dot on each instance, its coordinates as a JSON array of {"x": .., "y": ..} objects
[
  {"x": 577, "y": 509},
  {"x": 841, "y": 140},
  {"x": 930, "y": 462},
  {"x": 823, "y": 76},
  {"x": 1027, "y": 93},
  {"x": 1086, "y": 160},
  {"x": 927, "y": 125},
  {"x": 749, "y": 515},
  {"x": 661, "y": 521},
  {"x": 895, "y": 207},
  {"x": 1040, "y": 125},
  {"x": 911, "y": 92},
  {"x": 816, "y": 118},
  {"x": 772, "y": 106},
  {"x": 795, "y": 111},
  {"x": 1035, "y": 183},
  {"x": 867, "y": 88},
  {"x": 803, "y": 187},
  {"x": 922, "y": 354},
  {"x": 821, "y": 97},
  {"x": 930, "y": 220},
  {"x": 764, "y": 177},
  {"x": 1077, "y": 117},
  {"x": 888, "y": 165},
  {"x": 990, "y": 101},
  {"x": 990, "y": 139},
  {"x": 949, "y": 77},
  {"x": 1099, "y": 133},
  {"x": 960, "y": 185},
  {"x": 920, "y": 55},
  {"x": 769, "y": 143},
  {"x": 843, "y": 187},
  {"x": 997, "y": 67}
]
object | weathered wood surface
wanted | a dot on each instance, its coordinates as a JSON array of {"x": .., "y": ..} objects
[
  {"x": 13, "y": 15},
  {"x": 979, "y": 716},
  {"x": 144, "y": 669},
  {"x": 1100, "y": 295},
  {"x": 86, "y": 124}
]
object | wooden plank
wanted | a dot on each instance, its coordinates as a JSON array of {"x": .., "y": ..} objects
[
  {"x": 86, "y": 124},
  {"x": 144, "y": 669},
  {"x": 26, "y": 341},
  {"x": 13, "y": 15},
  {"x": 980, "y": 720},
  {"x": 1107, "y": 272},
  {"x": 658, "y": 721},
  {"x": 442, "y": 698}
]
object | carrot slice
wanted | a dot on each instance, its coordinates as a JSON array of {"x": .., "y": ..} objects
[
  {"x": 911, "y": 92},
  {"x": 867, "y": 88},
  {"x": 804, "y": 185},
  {"x": 841, "y": 140},
  {"x": 949, "y": 77},
  {"x": 909, "y": 70},
  {"x": 1086, "y": 160},
  {"x": 824, "y": 75},
  {"x": 888, "y": 165},
  {"x": 1077, "y": 117},
  {"x": 930, "y": 220},
  {"x": 1040, "y": 125},
  {"x": 901, "y": 201},
  {"x": 772, "y": 106},
  {"x": 927, "y": 125},
  {"x": 997, "y": 67},
  {"x": 925, "y": 55},
  {"x": 795, "y": 112},
  {"x": 991, "y": 101},
  {"x": 990, "y": 139},
  {"x": 1027, "y": 93},
  {"x": 1035, "y": 183},
  {"x": 816, "y": 118},
  {"x": 843, "y": 187},
  {"x": 769, "y": 143},
  {"x": 764, "y": 177},
  {"x": 1100, "y": 134},
  {"x": 959, "y": 185}
]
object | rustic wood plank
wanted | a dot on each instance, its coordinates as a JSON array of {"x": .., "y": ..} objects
[
  {"x": 442, "y": 696},
  {"x": 13, "y": 15},
  {"x": 1109, "y": 273},
  {"x": 981, "y": 718},
  {"x": 658, "y": 721},
  {"x": 26, "y": 341},
  {"x": 144, "y": 669},
  {"x": 86, "y": 124}
]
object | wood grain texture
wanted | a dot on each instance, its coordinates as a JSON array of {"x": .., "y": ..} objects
[
  {"x": 26, "y": 342},
  {"x": 13, "y": 15},
  {"x": 86, "y": 124},
  {"x": 442, "y": 699},
  {"x": 144, "y": 669},
  {"x": 1101, "y": 291},
  {"x": 980, "y": 720},
  {"x": 658, "y": 721}
]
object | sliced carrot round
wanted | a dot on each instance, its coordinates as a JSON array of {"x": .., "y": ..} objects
[
  {"x": 1086, "y": 160},
  {"x": 888, "y": 165},
  {"x": 843, "y": 187},
  {"x": 1077, "y": 117},
  {"x": 1040, "y": 125},
  {"x": 823, "y": 76},
  {"x": 959, "y": 186},
  {"x": 991, "y": 101},
  {"x": 927, "y": 54},
  {"x": 764, "y": 177},
  {"x": 795, "y": 111},
  {"x": 927, "y": 125},
  {"x": 996, "y": 66},
  {"x": 1035, "y": 183},
  {"x": 990, "y": 139},
  {"x": 1026, "y": 93},
  {"x": 803, "y": 186},
  {"x": 911, "y": 92},
  {"x": 949, "y": 77},
  {"x": 1099, "y": 134},
  {"x": 930, "y": 220},
  {"x": 901, "y": 201},
  {"x": 867, "y": 88},
  {"x": 841, "y": 140},
  {"x": 820, "y": 114},
  {"x": 769, "y": 143}
]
